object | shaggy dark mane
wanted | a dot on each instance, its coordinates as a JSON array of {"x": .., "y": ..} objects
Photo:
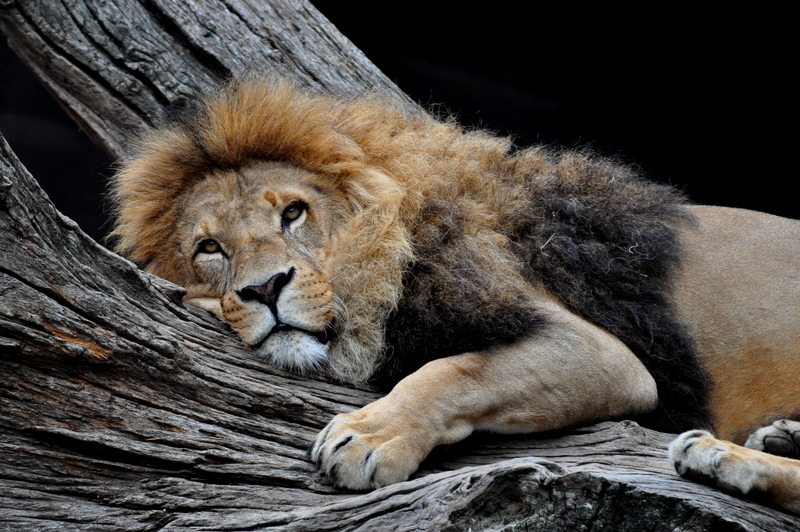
[
  {"x": 605, "y": 242},
  {"x": 451, "y": 303}
]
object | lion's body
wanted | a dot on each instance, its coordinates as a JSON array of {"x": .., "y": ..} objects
[
  {"x": 738, "y": 289},
  {"x": 545, "y": 289}
]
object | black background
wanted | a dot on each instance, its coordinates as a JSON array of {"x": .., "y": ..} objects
[{"x": 698, "y": 99}]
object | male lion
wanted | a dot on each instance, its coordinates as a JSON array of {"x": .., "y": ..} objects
[{"x": 512, "y": 291}]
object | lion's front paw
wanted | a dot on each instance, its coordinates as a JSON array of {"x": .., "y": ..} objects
[
  {"x": 781, "y": 438},
  {"x": 371, "y": 447}
]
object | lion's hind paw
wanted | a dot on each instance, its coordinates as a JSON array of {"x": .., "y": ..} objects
[
  {"x": 698, "y": 456},
  {"x": 781, "y": 438}
]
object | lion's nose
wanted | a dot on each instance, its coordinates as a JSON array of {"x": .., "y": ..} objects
[{"x": 268, "y": 292}]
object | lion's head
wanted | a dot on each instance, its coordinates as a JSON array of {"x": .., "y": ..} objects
[{"x": 269, "y": 214}]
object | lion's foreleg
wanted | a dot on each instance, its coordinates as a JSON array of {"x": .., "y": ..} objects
[{"x": 570, "y": 373}]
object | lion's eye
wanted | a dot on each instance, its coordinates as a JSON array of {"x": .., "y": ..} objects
[
  {"x": 209, "y": 246},
  {"x": 292, "y": 213}
]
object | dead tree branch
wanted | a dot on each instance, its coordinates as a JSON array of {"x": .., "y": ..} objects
[{"x": 124, "y": 410}]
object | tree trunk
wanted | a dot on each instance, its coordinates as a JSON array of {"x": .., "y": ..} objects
[{"x": 124, "y": 410}]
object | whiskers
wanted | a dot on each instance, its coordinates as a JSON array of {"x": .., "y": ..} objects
[{"x": 339, "y": 310}]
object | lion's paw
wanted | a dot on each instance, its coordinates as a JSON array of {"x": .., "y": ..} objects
[
  {"x": 781, "y": 438},
  {"x": 369, "y": 449},
  {"x": 698, "y": 455}
]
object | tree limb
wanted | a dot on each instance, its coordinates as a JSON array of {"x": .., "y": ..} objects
[{"x": 124, "y": 410}]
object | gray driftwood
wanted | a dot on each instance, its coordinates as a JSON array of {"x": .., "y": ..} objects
[{"x": 121, "y": 409}]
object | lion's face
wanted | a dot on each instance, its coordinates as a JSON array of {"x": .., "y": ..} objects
[{"x": 256, "y": 244}]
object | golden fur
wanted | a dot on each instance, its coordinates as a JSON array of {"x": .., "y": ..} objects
[{"x": 521, "y": 290}]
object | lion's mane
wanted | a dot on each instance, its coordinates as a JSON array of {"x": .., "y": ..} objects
[{"x": 449, "y": 230}]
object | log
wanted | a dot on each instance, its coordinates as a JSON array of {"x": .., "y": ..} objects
[
  {"x": 122, "y": 409},
  {"x": 115, "y": 66}
]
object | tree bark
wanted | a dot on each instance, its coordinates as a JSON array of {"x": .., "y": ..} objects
[{"x": 122, "y": 409}]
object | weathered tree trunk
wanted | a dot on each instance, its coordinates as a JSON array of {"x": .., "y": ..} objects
[{"x": 121, "y": 409}]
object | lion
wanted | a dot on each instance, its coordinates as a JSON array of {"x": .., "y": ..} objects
[{"x": 495, "y": 288}]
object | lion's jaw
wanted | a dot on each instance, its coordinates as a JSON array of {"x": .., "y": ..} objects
[{"x": 255, "y": 242}]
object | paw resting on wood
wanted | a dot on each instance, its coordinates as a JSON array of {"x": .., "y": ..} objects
[
  {"x": 697, "y": 455},
  {"x": 372, "y": 447}
]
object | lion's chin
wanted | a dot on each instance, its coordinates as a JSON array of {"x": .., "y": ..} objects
[{"x": 295, "y": 351}]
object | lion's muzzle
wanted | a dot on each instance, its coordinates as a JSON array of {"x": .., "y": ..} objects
[{"x": 286, "y": 318}]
